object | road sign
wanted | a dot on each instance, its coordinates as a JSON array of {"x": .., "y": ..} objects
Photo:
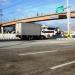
[{"x": 60, "y": 9}]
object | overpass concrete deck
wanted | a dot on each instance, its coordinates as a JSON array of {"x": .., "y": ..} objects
[{"x": 39, "y": 18}]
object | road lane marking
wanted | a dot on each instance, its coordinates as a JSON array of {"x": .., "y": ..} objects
[
  {"x": 32, "y": 53},
  {"x": 62, "y": 65}
]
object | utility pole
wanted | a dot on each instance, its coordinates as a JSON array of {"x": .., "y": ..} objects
[{"x": 68, "y": 18}]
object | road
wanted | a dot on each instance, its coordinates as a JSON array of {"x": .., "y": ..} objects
[{"x": 37, "y": 57}]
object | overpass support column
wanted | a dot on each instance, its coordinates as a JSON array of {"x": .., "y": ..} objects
[{"x": 2, "y": 30}]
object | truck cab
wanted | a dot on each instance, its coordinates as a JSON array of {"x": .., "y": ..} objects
[{"x": 48, "y": 32}]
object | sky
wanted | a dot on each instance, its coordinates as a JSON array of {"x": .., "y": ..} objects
[{"x": 17, "y": 9}]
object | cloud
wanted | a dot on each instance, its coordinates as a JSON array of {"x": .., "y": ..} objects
[
  {"x": 19, "y": 10},
  {"x": 4, "y": 2}
]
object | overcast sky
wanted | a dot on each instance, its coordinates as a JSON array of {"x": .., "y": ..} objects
[{"x": 15, "y": 9}]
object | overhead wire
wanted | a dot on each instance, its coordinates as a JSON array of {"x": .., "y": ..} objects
[{"x": 19, "y": 3}]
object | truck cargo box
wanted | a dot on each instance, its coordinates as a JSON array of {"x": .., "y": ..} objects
[{"x": 28, "y": 29}]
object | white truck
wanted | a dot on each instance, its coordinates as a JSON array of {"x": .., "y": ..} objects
[
  {"x": 28, "y": 30},
  {"x": 48, "y": 32},
  {"x": 32, "y": 31}
]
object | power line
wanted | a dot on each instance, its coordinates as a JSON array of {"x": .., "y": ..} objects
[
  {"x": 20, "y": 2},
  {"x": 25, "y": 7},
  {"x": 17, "y": 3},
  {"x": 13, "y": 5},
  {"x": 30, "y": 7}
]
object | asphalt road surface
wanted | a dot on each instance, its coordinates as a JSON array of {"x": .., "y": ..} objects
[{"x": 37, "y": 57}]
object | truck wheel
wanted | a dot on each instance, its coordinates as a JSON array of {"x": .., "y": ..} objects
[
  {"x": 30, "y": 38},
  {"x": 42, "y": 37}
]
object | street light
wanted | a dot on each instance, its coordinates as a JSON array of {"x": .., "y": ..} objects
[
  {"x": 68, "y": 17},
  {"x": 61, "y": 10}
]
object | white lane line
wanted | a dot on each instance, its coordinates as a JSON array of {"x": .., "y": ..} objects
[
  {"x": 32, "y": 53},
  {"x": 16, "y": 46},
  {"x": 62, "y": 65}
]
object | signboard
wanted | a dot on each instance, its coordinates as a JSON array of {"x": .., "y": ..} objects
[{"x": 60, "y": 9}]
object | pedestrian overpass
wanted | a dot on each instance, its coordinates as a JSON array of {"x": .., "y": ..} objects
[{"x": 40, "y": 18}]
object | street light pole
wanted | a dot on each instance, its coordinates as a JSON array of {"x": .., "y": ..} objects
[{"x": 68, "y": 17}]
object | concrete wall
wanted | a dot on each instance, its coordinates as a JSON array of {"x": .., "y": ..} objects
[{"x": 8, "y": 37}]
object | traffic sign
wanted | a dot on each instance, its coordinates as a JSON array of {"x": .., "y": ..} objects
[{"x": 60, "y": 9}]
